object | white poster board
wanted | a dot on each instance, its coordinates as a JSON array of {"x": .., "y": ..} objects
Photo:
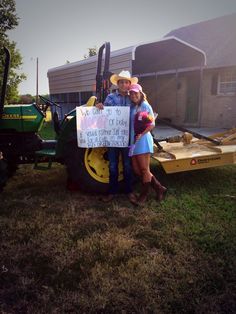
[{"x": 102, "y": 128}]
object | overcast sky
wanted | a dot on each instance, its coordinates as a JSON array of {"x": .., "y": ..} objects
[{"x": 59, "y": 30}]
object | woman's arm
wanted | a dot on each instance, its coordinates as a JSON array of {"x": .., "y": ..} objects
[{"x": 148, "y": 129}]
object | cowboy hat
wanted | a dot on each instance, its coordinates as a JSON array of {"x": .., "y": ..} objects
[{"x": 123, "y": 75}]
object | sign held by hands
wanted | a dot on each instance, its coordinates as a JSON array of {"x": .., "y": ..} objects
[{"x": 102, "y": 128}]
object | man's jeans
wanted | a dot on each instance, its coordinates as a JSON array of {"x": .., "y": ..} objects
[{"x": 113, "y": 156}]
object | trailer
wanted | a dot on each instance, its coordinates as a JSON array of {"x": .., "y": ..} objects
[{"x": 190, "y": 153}]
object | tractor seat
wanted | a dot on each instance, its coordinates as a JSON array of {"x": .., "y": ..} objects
[{"x": 43, "y": 155}]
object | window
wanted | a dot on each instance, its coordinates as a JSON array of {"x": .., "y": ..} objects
[{"x": 227, "y": 82}]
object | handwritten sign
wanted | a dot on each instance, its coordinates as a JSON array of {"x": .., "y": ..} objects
[{"x": 102, "y": 128}]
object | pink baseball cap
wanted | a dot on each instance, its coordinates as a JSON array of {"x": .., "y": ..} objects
[{"x": 135, "y": 88}]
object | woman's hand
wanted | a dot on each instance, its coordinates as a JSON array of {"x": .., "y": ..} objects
[
  {"x": 137, "y": 137},
  {"x": 148, "y": 129}
]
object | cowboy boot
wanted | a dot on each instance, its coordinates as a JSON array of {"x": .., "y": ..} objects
[
  {"x": 159, "y": 189},
  {"x": 144, "y": 193}
]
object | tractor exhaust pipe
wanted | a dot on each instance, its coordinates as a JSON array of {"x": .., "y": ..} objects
[
  {"x": 102, "y": 79},
  {"x": 4, "y": 81}
]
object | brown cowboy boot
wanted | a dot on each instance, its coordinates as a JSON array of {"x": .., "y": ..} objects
[
  {"x": 132, "y": 198},
  {"x": 144, "y": 193},
  {"x": 159, "y": 189}
]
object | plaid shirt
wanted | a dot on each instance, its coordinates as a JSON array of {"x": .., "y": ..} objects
[{"x": 116, "y": 99}]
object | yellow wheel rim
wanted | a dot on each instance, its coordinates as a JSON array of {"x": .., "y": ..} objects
[{"x": 97, "y": 164}]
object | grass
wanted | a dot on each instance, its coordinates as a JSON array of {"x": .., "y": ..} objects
[
  {"x": 70, "y": 253},
  {"x": 64, "y": 252}
]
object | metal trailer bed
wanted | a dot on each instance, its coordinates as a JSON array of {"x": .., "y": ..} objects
[{"x": 197, "y": 153}]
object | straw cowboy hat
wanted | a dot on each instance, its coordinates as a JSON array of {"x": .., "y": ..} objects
[{"x": 123, "y": 75}]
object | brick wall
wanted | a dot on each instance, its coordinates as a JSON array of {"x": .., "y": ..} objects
[{"x": 217, "y": 110}]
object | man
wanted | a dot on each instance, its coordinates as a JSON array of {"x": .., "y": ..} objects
[{"x": 120, "y": 98}]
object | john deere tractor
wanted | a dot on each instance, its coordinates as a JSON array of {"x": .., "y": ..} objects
[
  {"x": 19, "y": 127},
  {"x": 20, "y": 142}
]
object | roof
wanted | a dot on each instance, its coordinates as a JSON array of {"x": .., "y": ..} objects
[
  {"x": 216, "y": 37},
  {"x": 115, "y": 53},
  {"x": 165, "y": 55}
]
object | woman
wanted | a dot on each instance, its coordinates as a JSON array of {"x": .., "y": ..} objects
[{"x": 142, "y": 122}]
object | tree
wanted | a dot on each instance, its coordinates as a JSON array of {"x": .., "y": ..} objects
[
  {"x": 8, "y": 21},
  {"x": 8, "y": 17},
  {"x": 91, "y": 52},
  {"x": 26, "y": 99}
]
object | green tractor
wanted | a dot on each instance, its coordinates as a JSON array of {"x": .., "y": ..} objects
[{"x": 20, "y": 142}]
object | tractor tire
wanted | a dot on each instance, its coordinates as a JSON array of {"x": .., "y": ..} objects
[
  {"x": 11, "y": 167},
  {"x": 3, "y": 173},
  {"x": 88, "y": 168}
]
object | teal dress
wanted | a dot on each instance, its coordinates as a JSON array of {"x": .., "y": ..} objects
[{"x": 145, "y": 143}]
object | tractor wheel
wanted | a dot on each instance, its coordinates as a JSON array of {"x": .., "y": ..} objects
[
  {"x": 11, "y": 167},
  {"x": 88, "y": 168},
  {"x": 3, "y": 173}
]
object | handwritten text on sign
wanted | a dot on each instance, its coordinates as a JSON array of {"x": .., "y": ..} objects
[{"x": 102, "y": 128}]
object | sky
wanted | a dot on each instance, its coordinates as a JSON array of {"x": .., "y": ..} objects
[{"x": 55, "y": 31}]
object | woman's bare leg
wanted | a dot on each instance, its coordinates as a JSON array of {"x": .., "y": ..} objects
[
  {"x": 143, "y": 163},
  {"x": 135, "y": 166}
]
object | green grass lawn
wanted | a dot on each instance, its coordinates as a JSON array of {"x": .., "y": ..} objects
[{"x": 64, "y": 252}]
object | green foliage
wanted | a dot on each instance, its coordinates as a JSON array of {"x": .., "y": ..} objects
[
  {"x": 24, "y": 99},
  {"x": 8, "y": 21},
  {"x": 91, "y": 52},
  {"x": 45, "y": 96},
  {"x": 8, "y": 17}
]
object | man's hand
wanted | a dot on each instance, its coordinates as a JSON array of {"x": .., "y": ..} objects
[{"x": 99, "y": 106}]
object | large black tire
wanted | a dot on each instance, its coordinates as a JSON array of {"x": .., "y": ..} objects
[
  {"x": 3, "y": 173},
  {"x": 11, "y": 167},
  {"x": 88, "y": 176}
]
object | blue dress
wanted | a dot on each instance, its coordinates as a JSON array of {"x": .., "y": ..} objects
[{"x": 145, "y": 143}]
